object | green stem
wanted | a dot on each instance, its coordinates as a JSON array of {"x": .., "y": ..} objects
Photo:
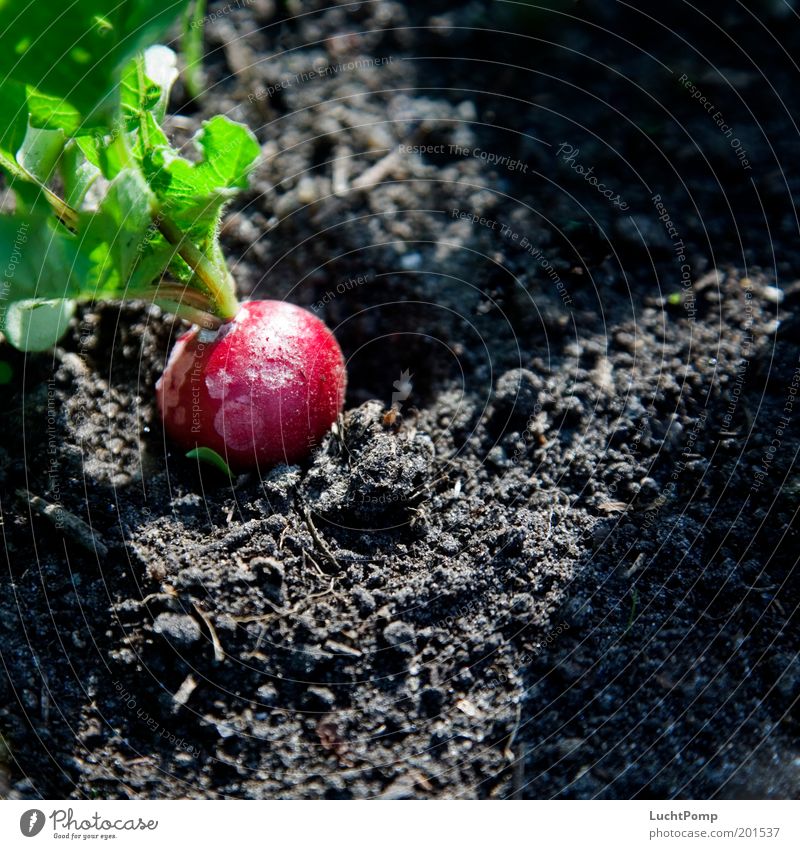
[
  {"x": 192, "y": 46},
  {"x": 66, "y": 214},
  {"x": 217, "y": 280},
  {"x": 199, "y": 317},
  {"x": 222, "y": 304}
]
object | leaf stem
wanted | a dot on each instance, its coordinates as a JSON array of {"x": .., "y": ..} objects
[
  {"x": 217, "y": 280},
  {"x": 180, "y": 293},
  {"x": 221, "y": 305},
  {"x": 66, "y": 214},
  {"x": 199, "y": 317}
]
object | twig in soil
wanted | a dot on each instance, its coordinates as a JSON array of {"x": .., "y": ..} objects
[
  {"x": 183, "y": 693},
  {"x": 169, "y": 593},
  {"x": 637, "y": 564},
  {"x": 320, "y": 543},
  {"x": 219, "y": 653},
  {"x": 72, "y": 526},
  {"x": 330, "y": 589},
  {"x": 262, "y": 617},
  {"x": 780, "y": 607},
  {"x": 378, "y": 172},
  {"x": 468, "y": 708},
  {"x": 508, "y": 752},
  {"x": 342, "y": 648},
  {"x": 341, "y": 171},
  {"x": 613, "y": 507},
  {"x": 710, "y": 278},
  {"x": 255, "y": 653}
]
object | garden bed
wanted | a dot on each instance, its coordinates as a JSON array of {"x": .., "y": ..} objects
[{"x": 567, "y": 567}]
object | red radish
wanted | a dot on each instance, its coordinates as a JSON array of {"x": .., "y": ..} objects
[{"x": 263, "y": 389}]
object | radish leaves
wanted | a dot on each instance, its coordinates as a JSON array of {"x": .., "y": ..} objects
[{"x": 107, "y": 207}]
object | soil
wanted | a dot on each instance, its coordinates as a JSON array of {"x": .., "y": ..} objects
[{"x": 568, "y": 567}]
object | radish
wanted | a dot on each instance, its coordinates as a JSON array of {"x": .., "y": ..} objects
[
  {"x": 124, "y": 215},
  {"x": 262, "y": 389}
]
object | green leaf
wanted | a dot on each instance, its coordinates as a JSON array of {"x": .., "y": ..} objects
[
  {"x": 161, "y": 67},
  {"x": 229, "y": 153},
  {"x": 37, "y": 324},
  {"x": 109, "y": 153},
  {"x": 193, "y": 194},
  {"x": 14, "y": 124},
  {"x": 74, "y": 51},
  {"x": 51, "y": 112},
  {"x": 40, "y": 151},
  {"x": 115, "y": 237},
  {"x": 138, "y": 93},
  {"x": 77, "y": 174},
  {"x": 40, "y": 261},
  {"x": 146, "y": 83},
  {"x": 209, "y": 455},
  {"x": 141, "y": 104},
  {"x": 80, "y": 102},
  {"x": 145, "y": 86}
]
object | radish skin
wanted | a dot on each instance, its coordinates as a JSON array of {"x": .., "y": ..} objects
[{"x": 262, "y": 389}]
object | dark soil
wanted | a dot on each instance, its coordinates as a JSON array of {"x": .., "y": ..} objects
[{"x": 568, "y": 568}]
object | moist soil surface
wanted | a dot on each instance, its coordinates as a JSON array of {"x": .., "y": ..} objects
[{"x": 564, "y": 246}]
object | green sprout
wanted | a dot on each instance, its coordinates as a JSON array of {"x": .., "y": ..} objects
[
  {"x": 106, "y": 208},
  {"x": 210, "y": 456}
]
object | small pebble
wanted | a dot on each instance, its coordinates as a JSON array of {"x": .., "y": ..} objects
[
  {"x": 401, "y": 637},
  {"x": 411, "y": 262},
  {"x": 178, "y": 628},
  {"x": 772, "y": 294}
]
